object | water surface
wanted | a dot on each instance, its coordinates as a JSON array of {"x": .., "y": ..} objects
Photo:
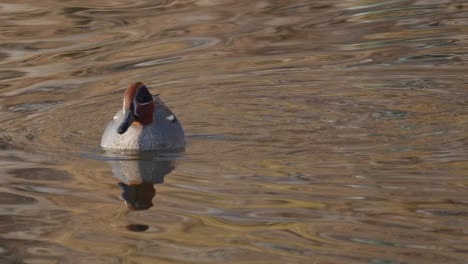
[{"x": 319, "y": 132}]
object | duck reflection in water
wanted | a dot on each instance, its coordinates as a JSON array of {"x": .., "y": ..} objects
[{"x": 137, "y": 177}]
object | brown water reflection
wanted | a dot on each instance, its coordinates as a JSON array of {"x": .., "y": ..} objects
[{"x": 319, "y": 131}]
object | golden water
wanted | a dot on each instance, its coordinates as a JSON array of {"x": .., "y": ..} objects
[{"x": 330, "y": 131}]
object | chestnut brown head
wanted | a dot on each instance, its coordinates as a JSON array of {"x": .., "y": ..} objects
[{"x": 138, "y": 107}]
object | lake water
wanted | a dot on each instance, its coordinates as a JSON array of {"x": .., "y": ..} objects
[{"x": 318, "y": 132}]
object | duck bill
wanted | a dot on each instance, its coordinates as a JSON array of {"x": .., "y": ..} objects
[{"x": 129, "y": 117}]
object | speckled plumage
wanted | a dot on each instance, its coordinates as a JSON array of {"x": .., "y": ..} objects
[{"x": 164, "y": 134}]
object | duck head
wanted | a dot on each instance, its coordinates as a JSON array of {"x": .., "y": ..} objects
[{"x": 138, "y": 107}]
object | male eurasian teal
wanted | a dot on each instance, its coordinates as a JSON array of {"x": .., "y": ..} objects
[{"x": 145, "y": 123}]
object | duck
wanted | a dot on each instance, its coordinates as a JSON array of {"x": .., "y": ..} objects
[{"x": 144, "y": 124}]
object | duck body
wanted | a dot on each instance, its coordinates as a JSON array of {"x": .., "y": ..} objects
[{"x": 145, "y": 123}]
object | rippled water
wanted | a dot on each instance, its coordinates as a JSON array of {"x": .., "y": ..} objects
[{"x": 319, "y": 132}]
